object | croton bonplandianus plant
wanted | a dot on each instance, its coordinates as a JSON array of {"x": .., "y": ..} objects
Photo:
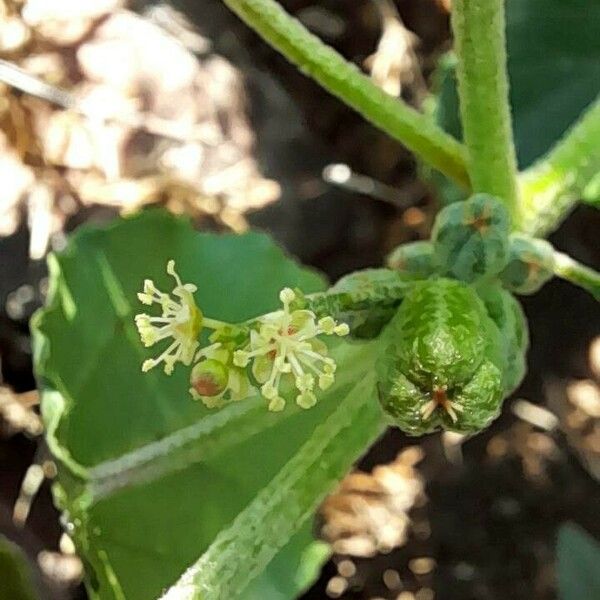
[{"x": 203, "y": 393}]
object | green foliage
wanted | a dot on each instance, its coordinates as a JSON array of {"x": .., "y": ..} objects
[
  {"x": 366, "y": 300},
  {"x": 147, "y": 476},
  {"x": 343, "y": 79},
  {"x": 289, "y": 498},
  {"x": 480, "y": 45},
  {"x": 470, "y": 238},
  {"x": 567, "y": 173},
  {"x": 578, "y": 274},
  {"x": 441, "y": 366},
  {"x": 15, "y": 574},
  {"x": 578, "y": 558}
]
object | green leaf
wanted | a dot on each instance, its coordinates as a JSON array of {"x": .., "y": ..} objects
[
  {"x": 148, "y": 477},
  {"x": 289, "y": 498},
  {"x": 554, "y": 69},
  {"x": 578, "y": 556},
  {"x": 15, "y": 575}
]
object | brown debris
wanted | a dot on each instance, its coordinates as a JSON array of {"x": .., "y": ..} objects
[
  {"x": 395, "y": 63},
  {"x": 577, "y": 403},
  {"x": 17, "y": 413},
  {"x": 137, "y": 118},
  {"x": 536, "y": 450},
  {"x": 369, "y": 511},
  {"x": 65, "y": 22}
]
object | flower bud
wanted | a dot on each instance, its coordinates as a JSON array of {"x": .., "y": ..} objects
[
  {"x": 470, "y": 238},
  {"x": 530, "y": 265},
  {"x": 209, "y": 378},
  {"x": 415, "y": 258}
]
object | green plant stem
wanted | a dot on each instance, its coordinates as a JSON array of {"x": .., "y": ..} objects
[
  {"x": 569, "y": 269},
  {"x": 479, "y": 41},
  {"x": 362, "y": 290},
  {"x": 343, "y": 79},
  {"x": 240, "y": 552},
  {"x": 552, "y": 186}
]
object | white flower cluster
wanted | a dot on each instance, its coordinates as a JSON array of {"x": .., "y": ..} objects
[{"x": 282, "y": 348}]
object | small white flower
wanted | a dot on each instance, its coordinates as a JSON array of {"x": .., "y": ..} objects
[
  {"x": 286, "y": 346},
  {"x": 181, "y": 320}
]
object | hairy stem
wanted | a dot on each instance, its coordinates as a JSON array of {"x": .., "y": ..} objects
[
  {"x": 344, "y": 80},
  {"x": 552, "y": 186},
  {"x": 569, "y": 269},
  {"x": 362, "y": 290},
  {"x": 240, "y": 552},
  {"x": 479, "y": 40}
]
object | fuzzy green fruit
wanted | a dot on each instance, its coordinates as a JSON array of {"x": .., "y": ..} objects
[
  {"x": 506, "y": 312},
  {"x": 443, "y": 362}
]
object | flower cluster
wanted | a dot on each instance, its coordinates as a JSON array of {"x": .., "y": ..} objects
[
  {"x": 285, "y": 346},
  {"x": 281, "y": 349}
]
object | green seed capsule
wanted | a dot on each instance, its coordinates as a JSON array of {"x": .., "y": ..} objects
[
  {"x": 530, "y": 264},
  {"x": 470, "y": 238},
  {"x": 415, "y": 258},
  {"x": 442, "y": 363},
  {"x": 506, "y": 312}
]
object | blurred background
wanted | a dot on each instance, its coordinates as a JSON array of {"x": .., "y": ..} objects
[{"x": 108, "y": 107}]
